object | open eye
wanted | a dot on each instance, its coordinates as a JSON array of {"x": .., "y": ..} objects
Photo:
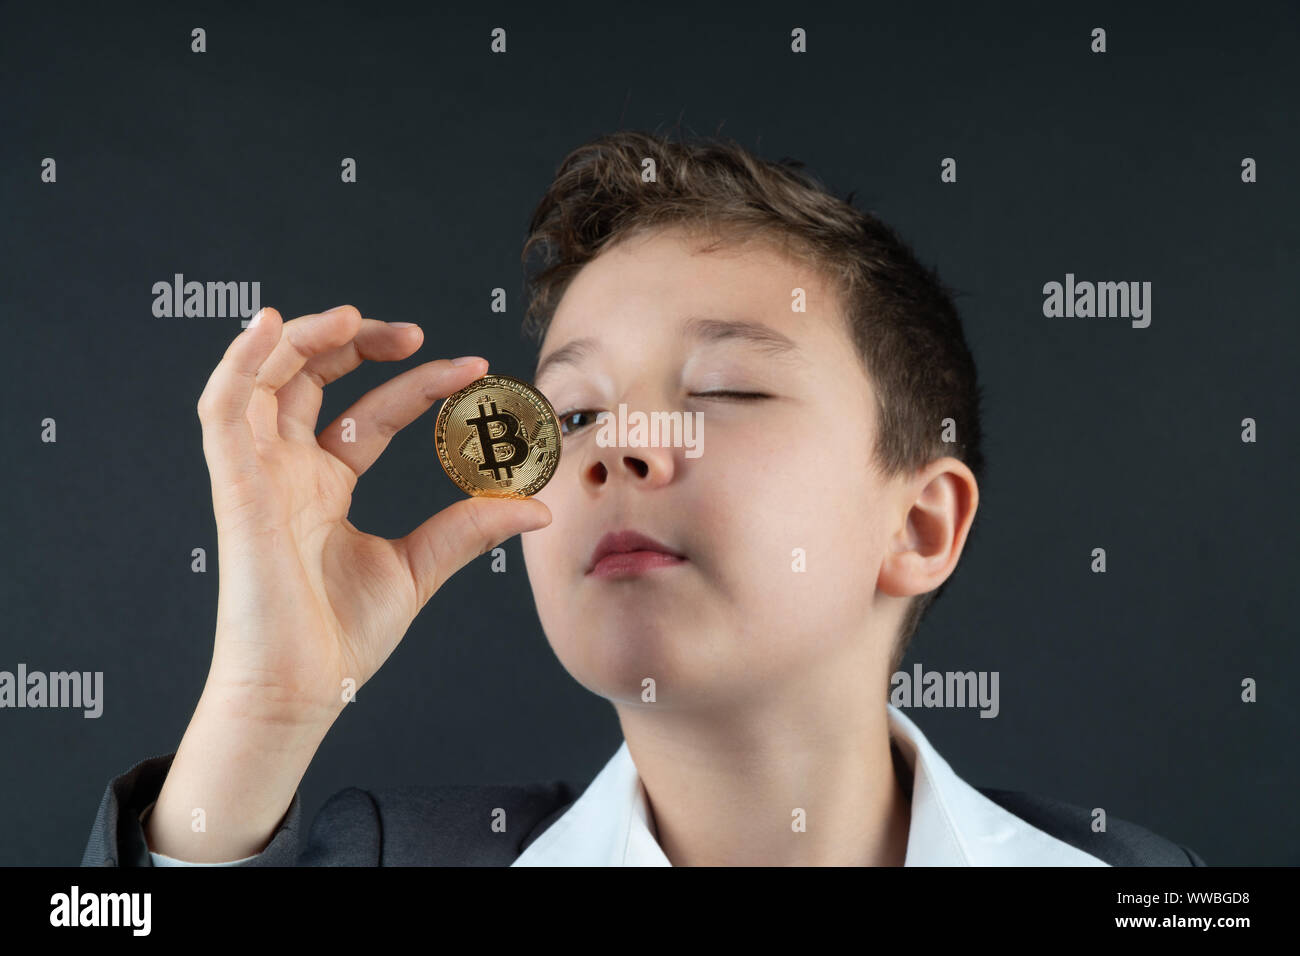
[{"x": 577, "y": 412}]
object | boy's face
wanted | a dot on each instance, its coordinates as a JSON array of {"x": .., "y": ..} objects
[{"x": 735, "y": 619}]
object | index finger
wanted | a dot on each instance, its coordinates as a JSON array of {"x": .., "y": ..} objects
[
  {"x": 388, "y": 408},
  {"x": 299, "y": 401}
]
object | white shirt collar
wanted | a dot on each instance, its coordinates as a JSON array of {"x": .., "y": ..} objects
[{"x": 953, "y": 824}]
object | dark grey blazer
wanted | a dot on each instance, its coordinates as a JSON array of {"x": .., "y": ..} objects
[{"x": 444, "y": 825}]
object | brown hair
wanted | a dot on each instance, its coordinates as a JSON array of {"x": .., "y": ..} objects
[{"x": 902, "y": 318}]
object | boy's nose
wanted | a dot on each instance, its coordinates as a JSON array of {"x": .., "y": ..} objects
[{"x": 647, "y": 468}]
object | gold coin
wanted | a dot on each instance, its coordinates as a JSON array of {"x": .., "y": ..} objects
[{"x": 499, "y": 437}]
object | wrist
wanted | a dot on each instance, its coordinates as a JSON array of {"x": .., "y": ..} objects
[{"x": 266, "y": 713}]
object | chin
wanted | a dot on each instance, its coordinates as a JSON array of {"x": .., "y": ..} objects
[{"x": 613, "y": 661}]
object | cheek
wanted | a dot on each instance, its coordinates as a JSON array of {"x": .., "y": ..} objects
[
  {"x": 771, "y": 505},
  {"x": 546, "y": 550},
  {"x": 755, "y": 503},
  {"x": 545, "y": 564}
]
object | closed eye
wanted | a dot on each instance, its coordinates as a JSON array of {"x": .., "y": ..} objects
[
  {"x": 743, "y": 396},
  {"x": 722, "y": 393}
]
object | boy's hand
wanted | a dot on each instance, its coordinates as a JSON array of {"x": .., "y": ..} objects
[{"x": 306, "y": 600}]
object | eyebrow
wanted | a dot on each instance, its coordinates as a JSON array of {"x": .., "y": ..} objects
[{"x": 697, "y": 329}]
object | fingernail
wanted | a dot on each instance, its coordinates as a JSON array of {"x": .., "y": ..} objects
[
  {"x": 402, "y": 325},
  {"x": 466, "y": 359},
  {"x": 255, "y": 319}
]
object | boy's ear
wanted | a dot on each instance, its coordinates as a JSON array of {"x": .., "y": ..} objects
[{"x": 936, "y": 511}]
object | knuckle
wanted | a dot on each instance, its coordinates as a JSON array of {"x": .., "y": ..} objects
[
  {"x": 204, "y": 407},
  {"x": 384, "y": 428},
  {"x": 265, "y": 447},
  {"x": 313, "y": 376},
  {"x": 291, "y": 337},
  {"x": 483, "y": 538}
]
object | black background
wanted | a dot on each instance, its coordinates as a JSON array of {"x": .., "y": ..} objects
[{"x": 1119, "y": 690}]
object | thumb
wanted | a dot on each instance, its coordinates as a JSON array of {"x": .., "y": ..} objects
[{"x": 461, "y": 532}]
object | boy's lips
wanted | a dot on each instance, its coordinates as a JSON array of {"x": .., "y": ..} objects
[{"x": 648, "y": 552}]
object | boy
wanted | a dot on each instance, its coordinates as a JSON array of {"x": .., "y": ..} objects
[{"x": 742, "y": 609}]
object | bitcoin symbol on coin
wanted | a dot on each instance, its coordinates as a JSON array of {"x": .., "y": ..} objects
[
  {"x": 499, "y": 437},
  {"x": 488, "y": 440}
]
